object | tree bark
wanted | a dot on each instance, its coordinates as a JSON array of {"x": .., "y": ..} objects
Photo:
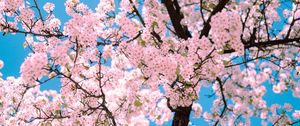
[
  {"x": 182, "y": 116},
  {"x": 218, "y": 8},
  {"x": 176, "y": 16}
]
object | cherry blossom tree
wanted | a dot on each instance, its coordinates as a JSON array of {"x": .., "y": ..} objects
[{"x": 130, "y": 62}]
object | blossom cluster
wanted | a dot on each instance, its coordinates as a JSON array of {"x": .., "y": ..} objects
[
  {"x": 48, "y": 7},
  {"x": 34, "y": 67},
  {"x": 226, "y": 29},
  {"x": 128, "y": 64}
]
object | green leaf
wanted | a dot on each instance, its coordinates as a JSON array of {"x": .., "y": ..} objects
[
  {"x": 211, "y": 5},
  {"x": 208, "y": 6},
  {"x": 52, "y": 74},
  {"x": 180, "y": 78},
  {"x": 77, "y": 122},
  {"x": 142, "y": 42},
  {"x": 154, "y": 24},
  {"x": 86, "y": 67},
  {"x": 225, "y": 62},
  {"x": 227, "y": 46},
  {"x": 188, "y": 84},
  {"x": 24, "y": 45},
  {"x": 48, "y": 124},
  {"x": 137, "y": 103},
  {"x": 190, "y": 94},
  {"x": 251, "y": 100},
  {"x": 177, "y": 71},
  {"x": 221, "y": 51},
  {"x": 57, "y": 112},
  {"x": 13, "y": 99},
  {"x": 82, "y": 76},
  {"x": 140, "y": 65},
  {"x": 158, "y": 117}
]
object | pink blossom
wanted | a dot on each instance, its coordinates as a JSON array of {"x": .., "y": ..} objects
[
  {"x": 197, "y": 109},
  {"x": 296, "y": 114},
  {"x": 1, "y": 64},
  {"x": 49, "y": 7}
]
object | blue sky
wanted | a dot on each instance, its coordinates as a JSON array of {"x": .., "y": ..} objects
[{"x": 13, "y": 54}]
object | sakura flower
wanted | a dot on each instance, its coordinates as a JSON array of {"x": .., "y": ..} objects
[
  {"x": 276, "y": 89},
  {"x": 296, "y": 114},
  {"x": 1, "y": 64},
  {"x": 197, "y": 109},
  {"x": 48, "y": 7}
]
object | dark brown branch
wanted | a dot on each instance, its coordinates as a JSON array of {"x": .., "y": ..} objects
[
  {"x": 58, "y": 35},
  {"x": 39, "y": 11},
  {"x": 110, "y": 114},
  {"x": 277, "y": 121},
  {"x": 181, "y": 116},
  {"x": 22, "y": 97},
  {"x": 169, "y": 105},
  {"x": 117, "y": 43},
  {"x": 240, "y": 63},
  {"x": 77, "y": 51},
  {"x": 293, "y": 123},
  {"x": 201, "y": 11},
  {"x": 218, "y": 8},
  {"x": 272, "y": 43},
  {"x": 265, "y": 20},
  {"x": 78, "y": 86},
  {"x": 292, "y": 24},
  {"x": 223, "y": 99},
  {"x": 135, "y": 10},
  {"x": 174, "y": 13},
  {"x": 137, "y": 13}
]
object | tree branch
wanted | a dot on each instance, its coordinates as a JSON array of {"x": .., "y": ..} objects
[
  {"x": 218, "y": 8},
  {"x": 176, "y": 17},
  {"x": 223, "y": 99}
]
